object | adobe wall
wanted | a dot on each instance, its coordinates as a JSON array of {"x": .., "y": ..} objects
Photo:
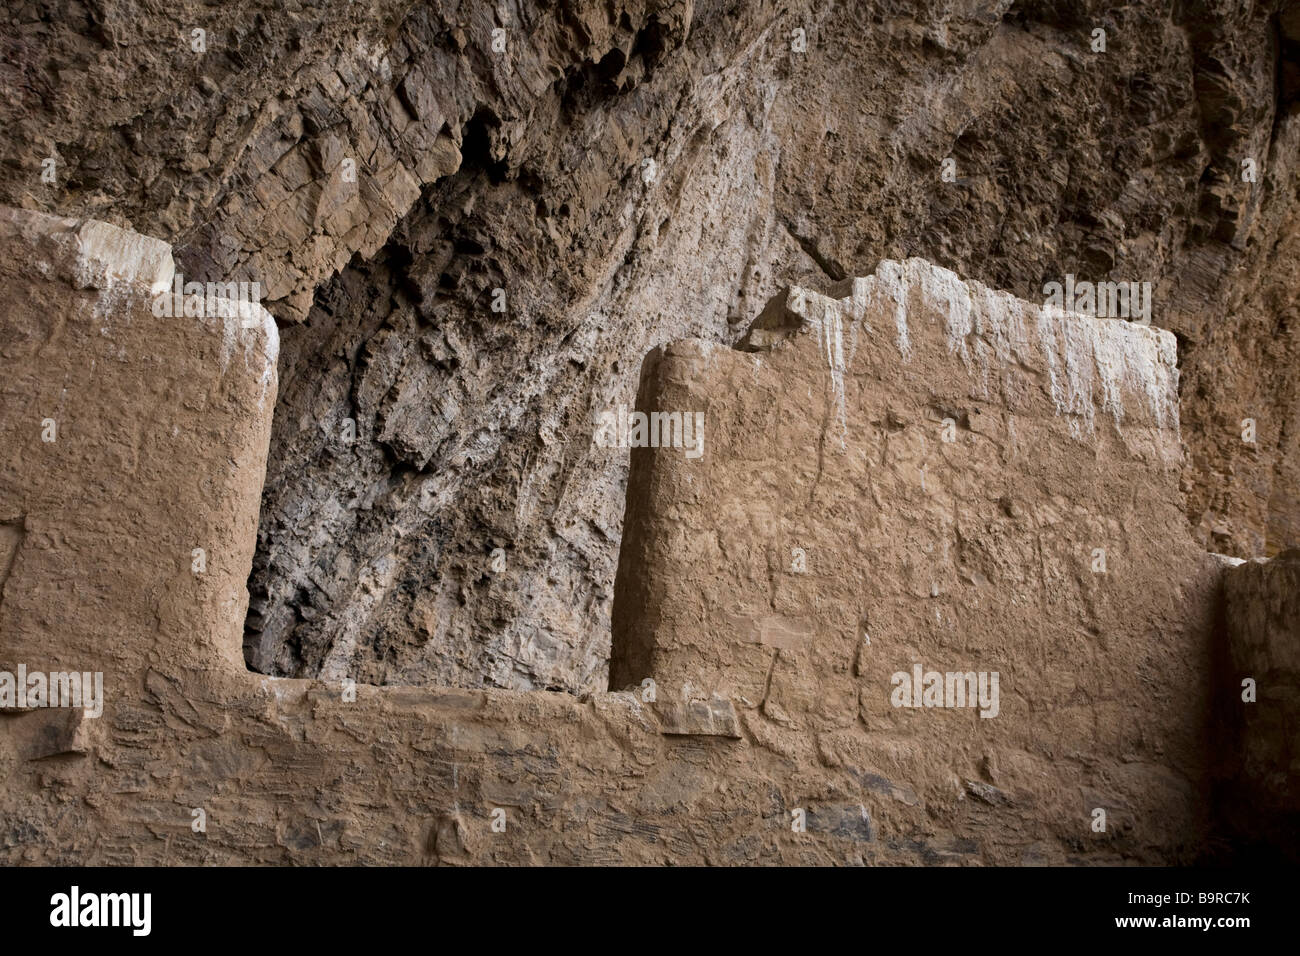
[
  {"x": 831, "y": 537},
  {"x": 163, "y": 426},
  {"x": 1262, "y": 614}
]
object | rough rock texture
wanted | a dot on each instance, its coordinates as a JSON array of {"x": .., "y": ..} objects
[
  {"x": 163, "y": 437},
  {"x": 1262, "y": 610},
  {"x": 631, "y": 173}
]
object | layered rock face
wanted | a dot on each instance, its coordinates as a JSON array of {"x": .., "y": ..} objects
[
  {"x": 907, "y": 582},
  {"x": 472, "y": 223}
]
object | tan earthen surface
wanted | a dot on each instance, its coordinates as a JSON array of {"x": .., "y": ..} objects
[{"x": 969, "y": 555}]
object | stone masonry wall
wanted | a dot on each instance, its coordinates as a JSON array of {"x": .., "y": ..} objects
[
  {"x": 959, "y": 555},
  {"x": 931, "y": 473},
  {"x": 1262, "y": 614},
  {"x": 631, "y": 173}
]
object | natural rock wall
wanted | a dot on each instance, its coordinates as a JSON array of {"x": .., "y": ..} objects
[{"x": 630, "y": 174}]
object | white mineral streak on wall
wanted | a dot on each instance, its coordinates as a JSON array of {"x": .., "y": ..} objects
[
  {"x": 1000, "y": 338},
  {"x": 125, "y": 266},
  {"x": 1089, "y": 361},
  {"x": 947, "y": 290},
  {"x": 859, "y": 300},
  {"x": 240, "y": 319},
  {"x": 106, "y": 255},
  {"x": 891, "y": 281},
  {"x": 826, "y": 317},
  {"x": 119, "y": 262}
]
